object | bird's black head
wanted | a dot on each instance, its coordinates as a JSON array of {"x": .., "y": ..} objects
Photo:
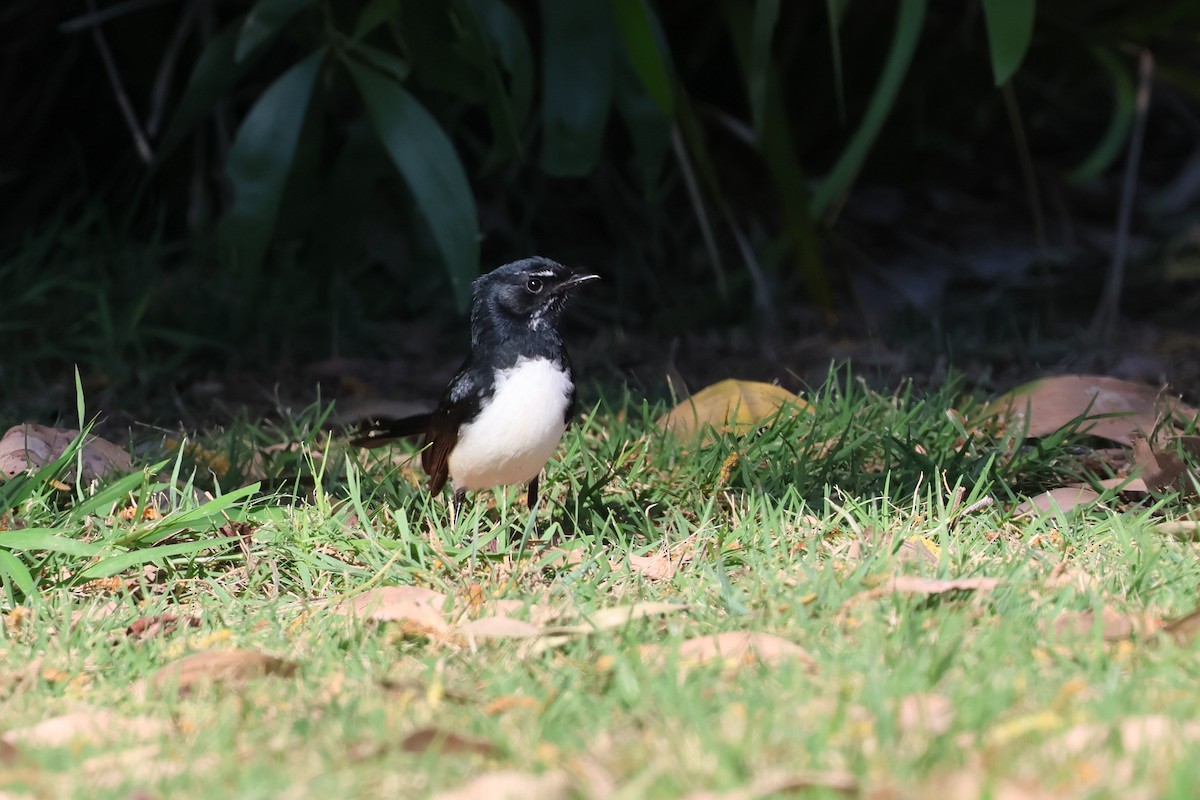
[{"x": 530, "y": 294}]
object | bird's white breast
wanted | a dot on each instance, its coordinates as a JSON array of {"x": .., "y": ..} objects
[{"x": 517, "y": 430}]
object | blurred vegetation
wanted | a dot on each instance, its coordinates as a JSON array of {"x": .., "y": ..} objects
[{"x": 228, "y": 174}]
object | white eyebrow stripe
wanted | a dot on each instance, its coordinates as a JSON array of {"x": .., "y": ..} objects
[{"x": 544, "y": 274}]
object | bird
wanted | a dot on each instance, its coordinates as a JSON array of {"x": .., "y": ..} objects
[{"x": 504, "y": 412}]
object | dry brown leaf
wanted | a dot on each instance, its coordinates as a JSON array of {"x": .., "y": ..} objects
[
  {"x": 1049, "y": 404},
  {"x": 734, "y": 648},
  {"x": 445, "y": 742},
  {"x": 844, "y": 783},
  {"x": 496, "y": 628},
  {"x": 511, "y": 784},
  {"x": 1183, "y": 630},
  {"x": 226, "y": 667},
  {"x": 419, "y": 610},
  {"x": 91, "y": 727},
  {"x": 157, "y": 625},
  {"x": 1150, "y": 731},
  {"x": 1058, "y": 501},
  {"x": 1186, "y": 530},
  {"x": 32, "y": 446},
  {"x": 617, "y": 617},
  {"x": 658, "y": 567},
  {"x": 914, "y": 584},
  {"x": 737, "y": 405},
  {"x": 554, "y": 636},
  {"x": 1163, "y": 468},
  {"x": 1114, "y": 626}
]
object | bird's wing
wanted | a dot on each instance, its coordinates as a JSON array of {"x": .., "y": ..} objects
[{"x": 459, "y": 404}]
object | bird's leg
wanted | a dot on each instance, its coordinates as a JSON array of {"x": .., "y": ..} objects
[
  {"x": 531, "y": 498},
  {"x": 456, "y": 504}
]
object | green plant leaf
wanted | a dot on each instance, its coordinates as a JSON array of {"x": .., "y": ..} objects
[
  {"x": 766, "y": 15},
  {"x": 649, "y": 128},
  {"x": 1113, "y": 141},
  {"x": 1009, "y": 31},
  {"x": 577, "y": 84},
  {"x": 51, "y": 540},
  {"x": 431, "y": 168},
  {"x": 909, "y": 19},
  {"x": 476, "y": 44},
  {"x": 264, "y": 21},
  {"x": 135, "y": 558},
  {"x": 388, "y": 63},
  {"x": 261, "y": 159},
  {"x": 511, "y": 45},
  {"x": 375, "y": 14},
  {"x": 835, "y": 10},
  {"x": 646, "y": 53},
  {"x": 18, "y": 575},
  {"x": 215, "y": 72}
]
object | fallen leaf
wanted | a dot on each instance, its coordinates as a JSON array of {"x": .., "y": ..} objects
[
  {"x": 1114, "y": 626},
  {"x": 658, "y": 567},
  {"x": 225, "y": 667},
  {"x": 1163, "y": 466},
  {"x": 512, "y": 785},
  {"x": 554, "y": 636},
  {"x": 496, "y": 627},
  {"x": 737, "y": 405},
  {"x": 1183, "y": 629},
  {"x": 32, "y": 446},
  {"x": 618, "y": 617},
  {"x": 91, "y": 727},
  {"x": 1186, "y": 530},
  {"x": 1149, "y": 731},
  {"x": 844, "y": 783},
  {"x": 913, "y": 584},
  {"x": 1050, "y": 404},
  {"x": 157, "y": 625},
  {"x": 419, "y": 610},
  {"x": 1058, "y": 501},
  {"x": 733, "y": 648},
  {"x": 446, "y": 742}
]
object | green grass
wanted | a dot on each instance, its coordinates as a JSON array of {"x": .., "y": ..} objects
[{"x": 792, "y": 531}]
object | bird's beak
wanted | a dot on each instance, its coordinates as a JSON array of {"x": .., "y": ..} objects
[{"x": 576, "y": 280}]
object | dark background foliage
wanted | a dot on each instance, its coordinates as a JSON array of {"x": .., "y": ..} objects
[{"x": 186, "y": 182}]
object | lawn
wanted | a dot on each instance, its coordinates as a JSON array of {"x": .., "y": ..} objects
[{"x": 842, "y": 603}]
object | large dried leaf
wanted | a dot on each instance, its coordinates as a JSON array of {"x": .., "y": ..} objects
[
  {"x": 1059, "y": 501},
  {"x": 618, "y": 617},
  {"x": 418, "y": 610},
  {"x": 1114, "y": 626},
  {"x": 1163, "y": 466},
  {"x": 1183, "y": 630},
  {"x": 225, "y": 667},
  {"x": 512, "y": 785},
  {"x": 1050, "y": 404},
  {"x": 733, "y": 648},
  {"x": 32, "y": 446},
  {"x": 739, "y": 406},
  {"x": 914, "y": 584},
  {"x": 779, "y": 785},
  {"x": 445, "y": 742},
  {"x": 92, "y": 727},
  {"x": 496, "y": 627}
]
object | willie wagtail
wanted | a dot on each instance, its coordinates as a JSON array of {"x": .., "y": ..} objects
[{"x": 503, "y": 414}]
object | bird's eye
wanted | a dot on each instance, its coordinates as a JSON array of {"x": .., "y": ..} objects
[{"x": 534, "y": 286}]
